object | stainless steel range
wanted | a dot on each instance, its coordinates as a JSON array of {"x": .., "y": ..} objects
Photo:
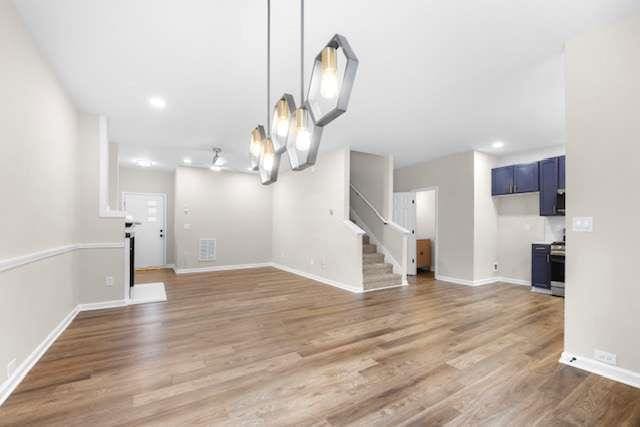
[{"x": 557, "y": 257}]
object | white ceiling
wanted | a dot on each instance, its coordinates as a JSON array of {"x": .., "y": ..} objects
[{"x": 435, "y": 77}]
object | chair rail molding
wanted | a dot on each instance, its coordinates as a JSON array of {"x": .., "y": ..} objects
[{"x": 15, "y": 262}]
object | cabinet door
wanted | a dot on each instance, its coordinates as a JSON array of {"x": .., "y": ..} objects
[
  {"x": 541, "y": 266},
  {"x": 525, "y": 178},
  {"x": 561, "y": 173},
  {"x": 548, "y": 186},
  {"x": 502, "y": 180}
]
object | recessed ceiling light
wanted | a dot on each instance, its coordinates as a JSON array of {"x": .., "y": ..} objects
[
  {"x": 498, "y": 144},
  {"x": 157, "y": 102},
  {"x": 145, "y": 163},
  {"x": 215, "y": 168},
  {"x": 186, "y": 161}
]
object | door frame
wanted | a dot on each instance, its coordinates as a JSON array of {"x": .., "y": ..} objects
[
  {"x": 437, "y": 224},
  {"x": 164, "y": 210}
]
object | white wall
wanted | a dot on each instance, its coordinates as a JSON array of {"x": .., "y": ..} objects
[
  {"x": 95, "y": 264},
  {"x": 232, "y": 208},
  {"x": 372, "y": 175},
  {"x": 152, "y": 181},
  {"x": 47, "y": 173},
  {"x": 454, "y": 177},
  {"x": 311, "y": 231},
  {"x": 485, "y": 245},
  {"x": 603, "y": 104}
]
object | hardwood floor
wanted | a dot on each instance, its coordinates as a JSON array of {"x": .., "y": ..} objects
[{"x": 263, "y": 346}]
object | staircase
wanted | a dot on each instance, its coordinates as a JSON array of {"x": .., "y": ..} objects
[{"x": 375, "y": 272}]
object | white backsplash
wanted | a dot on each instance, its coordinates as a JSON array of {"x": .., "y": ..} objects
[{"x": 554, "y": 228}]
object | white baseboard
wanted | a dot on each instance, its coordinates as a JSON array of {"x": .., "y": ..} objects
[
  {"x": 614, "y": 373},
  {"x": 220, "y": 268},
  {"x": 102, "y": 305},
  {"x": 317, "y": 278},
  {"x": 7, "y": 387},
  {"x": 482, "y": 282},
  {"x": 514, "y": 281},
  {"x": 386, "y": 287}
]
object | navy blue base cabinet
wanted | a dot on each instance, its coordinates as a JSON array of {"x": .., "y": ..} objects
[{"x": 541, "y": 266}]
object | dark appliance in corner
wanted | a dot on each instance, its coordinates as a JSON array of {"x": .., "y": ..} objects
[{"x": 130, "y": 234}]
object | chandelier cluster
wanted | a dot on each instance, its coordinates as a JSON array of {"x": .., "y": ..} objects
[{"x": 297, "y": 130}]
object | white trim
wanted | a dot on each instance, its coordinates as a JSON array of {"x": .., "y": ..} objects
[
  {"x": 614, "y": 373},
  {"x": 402, "y": 285},
  {"x": 164, "y": 210},
  {"x": 514, "y": 281},
  {"x": 7, "y": 387},
  {"x": 220, "y": 268},
  {"x": 102, "y": 305},
  {"x": 353, "y": 227},
  {"x": 318, "y": 278},
  {"x": 11, "y": 263},
  {"x": 482, "y": 282},
  {"x": 104, "y": 210},
  {"x": 541, "y": 290}
]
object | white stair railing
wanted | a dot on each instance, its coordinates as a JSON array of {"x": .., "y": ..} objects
[{"x": 393, "y": 237}]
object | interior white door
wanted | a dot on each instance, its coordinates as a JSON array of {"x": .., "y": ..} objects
[
  {"x": 149, "y": 211},
  {"x": 404, "y": 214}
]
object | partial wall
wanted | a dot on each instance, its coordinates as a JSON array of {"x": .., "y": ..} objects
[
  {"x": 603, "y": 102},
  {"x": 312, "y": 233}
]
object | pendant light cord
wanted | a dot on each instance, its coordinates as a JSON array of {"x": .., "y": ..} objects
[
  {"x": 301, "y": 53},
  {"x": 268, "y": 67}
]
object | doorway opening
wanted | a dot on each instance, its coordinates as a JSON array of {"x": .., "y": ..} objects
[
  {"x": 417, "y": 211},
  {"x": 426, "y": 230},
  {"x": 148, "y": 212}
]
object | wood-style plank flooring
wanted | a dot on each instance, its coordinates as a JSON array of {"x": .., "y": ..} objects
[{"x": 267, "y": 347}]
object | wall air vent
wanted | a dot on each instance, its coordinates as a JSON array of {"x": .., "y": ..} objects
[{"x": 207, "y": 250}]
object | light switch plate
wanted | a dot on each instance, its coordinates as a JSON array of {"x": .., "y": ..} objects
[
  {"x": 583, "y": 224},
  {"x": 187, "y": 226}
]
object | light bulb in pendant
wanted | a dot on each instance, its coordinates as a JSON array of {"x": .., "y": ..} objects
[
  {"x": 329, "y": 73},
  {"x": 256, "y": 143},
  {"x": 303, "y": 136},
  {"x": 268, "y": 156},
  {"x": 282, "y": 118}
]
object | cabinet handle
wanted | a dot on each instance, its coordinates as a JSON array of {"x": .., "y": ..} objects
[
  {"x": 548, "y": 260},
  {"x": 554, "y": 208}
]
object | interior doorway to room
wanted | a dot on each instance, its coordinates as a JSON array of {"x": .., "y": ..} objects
[
  {"x": 426, "y": 231},
  {"x": 417, "y": 212},
  {"x": 148, "y": 212}
]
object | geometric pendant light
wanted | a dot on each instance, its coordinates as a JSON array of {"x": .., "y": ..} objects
[
  {"x": 299, "y": 131},
  {"x": 304, "y": 136},
  {"x": 334, "y": 71},
  {"x": 258, "y": 138},
  {"x": 269, "y": 162},
  {"x": 282, "y": 117}
]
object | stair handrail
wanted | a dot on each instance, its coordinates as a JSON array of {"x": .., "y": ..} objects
[{"x": 384, "y": 220}]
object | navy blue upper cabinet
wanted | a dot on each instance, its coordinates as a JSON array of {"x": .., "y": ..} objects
[
  {"x": 561, "y": 169},
  {"x": 502, "y": 180},
  {"x": 548, "y": 186},
  {"x": 525, "y": 178},
  {"x": 541, "y": 266}
]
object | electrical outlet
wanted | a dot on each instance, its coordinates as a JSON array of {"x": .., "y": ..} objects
[
  {"x": 11, "y": 368},
  {"x": 323, "y": 264},
  {"x": 495, "y": 266},
  {"x": 108, "y": 281},
  {"x": 311, "y": 261},
  {"x": 187, "y": 226},
  {"x": 605, "y": 357}
]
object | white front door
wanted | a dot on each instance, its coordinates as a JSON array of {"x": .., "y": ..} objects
[
  {"x": 149, "y": 211},
  {"x": 404, "y": 214}
]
